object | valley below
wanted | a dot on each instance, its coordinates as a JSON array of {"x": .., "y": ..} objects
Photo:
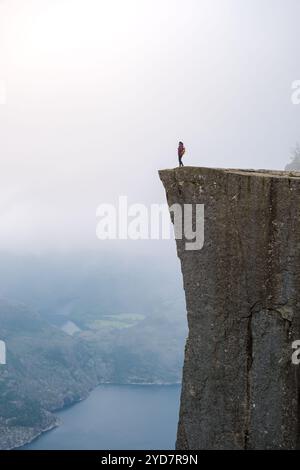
[{"x": 60, "y": 349}]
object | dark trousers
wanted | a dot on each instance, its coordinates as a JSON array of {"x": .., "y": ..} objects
[{"x": 180, "y": 161}]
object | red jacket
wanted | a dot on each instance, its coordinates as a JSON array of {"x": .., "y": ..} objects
[{"x": 181, "y": 151}]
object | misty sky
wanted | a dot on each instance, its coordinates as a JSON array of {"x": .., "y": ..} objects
[{"x": 98, "y": 93}]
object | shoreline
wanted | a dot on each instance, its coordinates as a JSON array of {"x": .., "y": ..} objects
[
  {"x": 58, "y": 410},
  {"x": 53, "y": 426}
]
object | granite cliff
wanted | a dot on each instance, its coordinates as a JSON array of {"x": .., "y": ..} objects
[{"x": 240, "y": 388}]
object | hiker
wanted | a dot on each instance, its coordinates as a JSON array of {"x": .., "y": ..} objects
[{"x": 181, "y": 152}]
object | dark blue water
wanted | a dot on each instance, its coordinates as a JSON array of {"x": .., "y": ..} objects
[{"x": 118, "y": 417}]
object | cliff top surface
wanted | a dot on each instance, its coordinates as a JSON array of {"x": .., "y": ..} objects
[{"x": 190, "y": 172}]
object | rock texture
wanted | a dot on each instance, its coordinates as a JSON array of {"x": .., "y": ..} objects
[{"x": 240, "y": 388}]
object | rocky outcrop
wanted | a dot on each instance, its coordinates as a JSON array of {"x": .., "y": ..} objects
[{"x": 240, "y": 388}]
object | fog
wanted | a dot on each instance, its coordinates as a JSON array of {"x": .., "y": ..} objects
[{"x": 96, "y": 94}]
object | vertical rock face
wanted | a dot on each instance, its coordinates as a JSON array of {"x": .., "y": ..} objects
[{"x": 240, "y": 388}]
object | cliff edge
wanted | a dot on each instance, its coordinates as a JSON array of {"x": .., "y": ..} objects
[{"x": 240, "y": 388}]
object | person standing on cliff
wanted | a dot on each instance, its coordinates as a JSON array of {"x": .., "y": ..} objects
[{"x": 181, "y": 152}]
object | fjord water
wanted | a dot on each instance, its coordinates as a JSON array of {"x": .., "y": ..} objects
[{"x": 118, "y": 417}]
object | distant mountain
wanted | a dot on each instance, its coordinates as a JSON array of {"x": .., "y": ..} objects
[
  {"x": 294, "y": 164},
  {"x": 96, "y": 327},
  {"x": 46, "y": 370},
  {"x": 115, "y": 301}
]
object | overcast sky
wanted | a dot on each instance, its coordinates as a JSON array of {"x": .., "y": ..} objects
[{"x": 98, "y": 93}]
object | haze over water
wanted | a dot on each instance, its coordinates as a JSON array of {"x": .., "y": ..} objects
[{"x": 126, "y": 417}]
